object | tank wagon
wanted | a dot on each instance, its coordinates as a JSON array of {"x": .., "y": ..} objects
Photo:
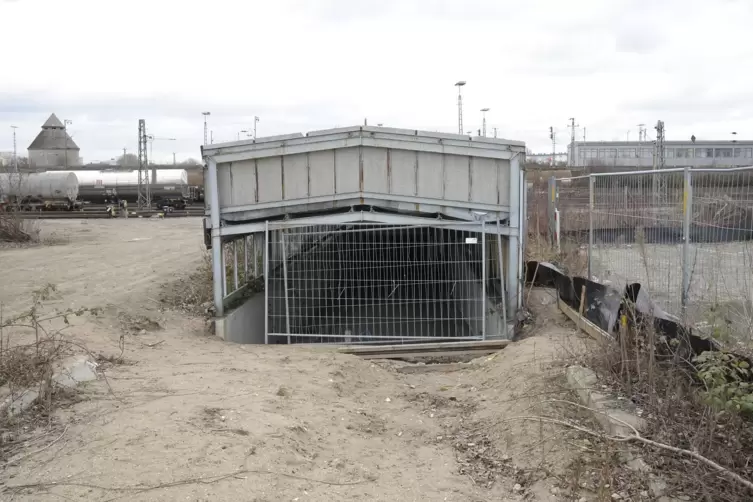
[
  {"x": 101, "y": 186},
  {"x": 39, "y": 191}
]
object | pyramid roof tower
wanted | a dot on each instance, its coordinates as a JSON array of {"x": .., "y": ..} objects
[{"x": 53, "y": 137}]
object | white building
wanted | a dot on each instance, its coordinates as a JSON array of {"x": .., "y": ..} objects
[{"x": 635, "y": 154}]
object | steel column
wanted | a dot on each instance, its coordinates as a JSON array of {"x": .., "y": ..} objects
[
  {"x": 214, "y": 217},
  {"x": 514, "y": 258}
]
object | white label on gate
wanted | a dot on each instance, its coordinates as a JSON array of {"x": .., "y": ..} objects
[{"x": 471, "y": 240}]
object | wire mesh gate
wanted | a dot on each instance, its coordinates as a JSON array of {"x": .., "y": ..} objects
[{"x": 376, "y": 283}]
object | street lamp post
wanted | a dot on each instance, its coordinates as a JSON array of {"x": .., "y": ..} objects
[
  {"x": 483, "y": 122},
  {"x": 256, "y": 121},
  {"x": 460, "y": 84},
  {"x": 206, "y": 114}
]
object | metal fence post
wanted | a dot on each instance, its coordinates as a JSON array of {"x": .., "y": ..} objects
[
  {"x": 551, "y": 208},
  {"x": 245, "y": 259},
  {"x": 285, "y": 282},
  {"x": 265, "y": 254},
  {"x": 590, "y": 224},
  {"x": 503, "y": 293},
  {"x": 687, "y": 207},
  {"x": 235, "y": 265},
  {"x": 483, "y": 280}
]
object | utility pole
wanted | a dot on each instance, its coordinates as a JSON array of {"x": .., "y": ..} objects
[
  {"x": 460, "y": 84},
  {"x": 15, "y": 154},
  {"x": 206, "y": 114},
  {"x": 144, "y": 192},
  {"x": 584, "y": 134},
  {"x": 553, "y": 137},
  {"x": 572, "y": 126},
  {"x": 659, "y": 186},
  {"x": 256, "y": 121},
  {"x": 483, "y": 122},
  {"x": 495, "y": 131},
  {"x": 173, "y": 158},
  {"x": 123, "y": 162},
  {"x": 65, "y": 138}
]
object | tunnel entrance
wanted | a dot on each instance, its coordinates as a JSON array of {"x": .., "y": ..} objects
[{"x": 380, "y": 283}]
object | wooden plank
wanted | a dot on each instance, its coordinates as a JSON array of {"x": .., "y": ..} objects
[
  {"x": 492, "y": 345},
  {"x": 445, "y": 353},
  {"x": 435, "y": 368},
  {"x": 582, "y": 323}
]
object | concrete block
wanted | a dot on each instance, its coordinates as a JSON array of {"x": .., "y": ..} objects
[
  {"x": 19, "y": 403},
  {"x": 244, "y": 324},
  {"x": 76, "y": 370},
  {"x": 609, "y": 412}
]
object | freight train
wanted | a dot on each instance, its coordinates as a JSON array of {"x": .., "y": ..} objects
[
  {"x": 39, "y": 191},
  {"x": 98, "y": 187},
  {"x": 69, "y": 190}
]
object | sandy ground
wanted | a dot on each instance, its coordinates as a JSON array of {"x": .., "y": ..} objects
[{"x": 189, "y": 417}]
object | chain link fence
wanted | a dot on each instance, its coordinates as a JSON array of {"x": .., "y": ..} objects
[{"x": 686, "y": 235}]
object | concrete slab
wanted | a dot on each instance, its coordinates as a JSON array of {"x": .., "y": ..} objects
[{"x": 608, "y": 411}]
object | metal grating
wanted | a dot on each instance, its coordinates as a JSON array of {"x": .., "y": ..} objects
[{"x": 375, "y": 284}]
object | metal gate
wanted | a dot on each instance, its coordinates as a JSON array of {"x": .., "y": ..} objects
[{"x": 375, "y": 283}]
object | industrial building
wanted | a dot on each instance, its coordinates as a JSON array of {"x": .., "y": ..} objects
[
  {"x": 365, "y": 235},
  {"x": 53, "y": 148},
  {"x": 646, "y": 154}
]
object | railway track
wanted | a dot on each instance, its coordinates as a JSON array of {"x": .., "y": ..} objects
[{"x": 96, "y": 212}]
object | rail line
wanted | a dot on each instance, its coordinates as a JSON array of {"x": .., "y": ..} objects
[{"x": 92, "y": 212}]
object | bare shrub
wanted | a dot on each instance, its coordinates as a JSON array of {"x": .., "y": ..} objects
[
  {"x": 17, "y": 230},
  {"x": 660, "y": 377},
  {"x": 30, "y": 364},
  {"x": 193, "y": 292}
]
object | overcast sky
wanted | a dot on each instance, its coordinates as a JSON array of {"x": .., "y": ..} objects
[{"x": 312, "y": 64}]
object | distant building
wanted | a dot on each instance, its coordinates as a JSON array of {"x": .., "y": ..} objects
[
  {"x": 53, "y": 147},
  {"x": 700, "y": 153}
]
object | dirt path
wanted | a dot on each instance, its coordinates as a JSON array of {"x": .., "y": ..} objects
[{"x": 189, "y": 417}]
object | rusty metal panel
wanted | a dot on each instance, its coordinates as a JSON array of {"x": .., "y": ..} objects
[
  {"x": 430, "y": 175},
  {"x": 243, "y": 182},
  {"x": 483, "y": 180},
  {"x": 456, "y": 177},
  {"x": 402, "y": 172},
  {"x": 270, "y": 178},
  {"x": 296, "y": 176},
  {"x": 347, "y": 169},
  {"x": 322, "y": 173},
  {"x": 374, "y": 169}
]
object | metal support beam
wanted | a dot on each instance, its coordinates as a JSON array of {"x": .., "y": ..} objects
[
  {"x": 214, "y": 215},
  {"x": 363, "y": 217},
  {"x": 514, "y": 256}
]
